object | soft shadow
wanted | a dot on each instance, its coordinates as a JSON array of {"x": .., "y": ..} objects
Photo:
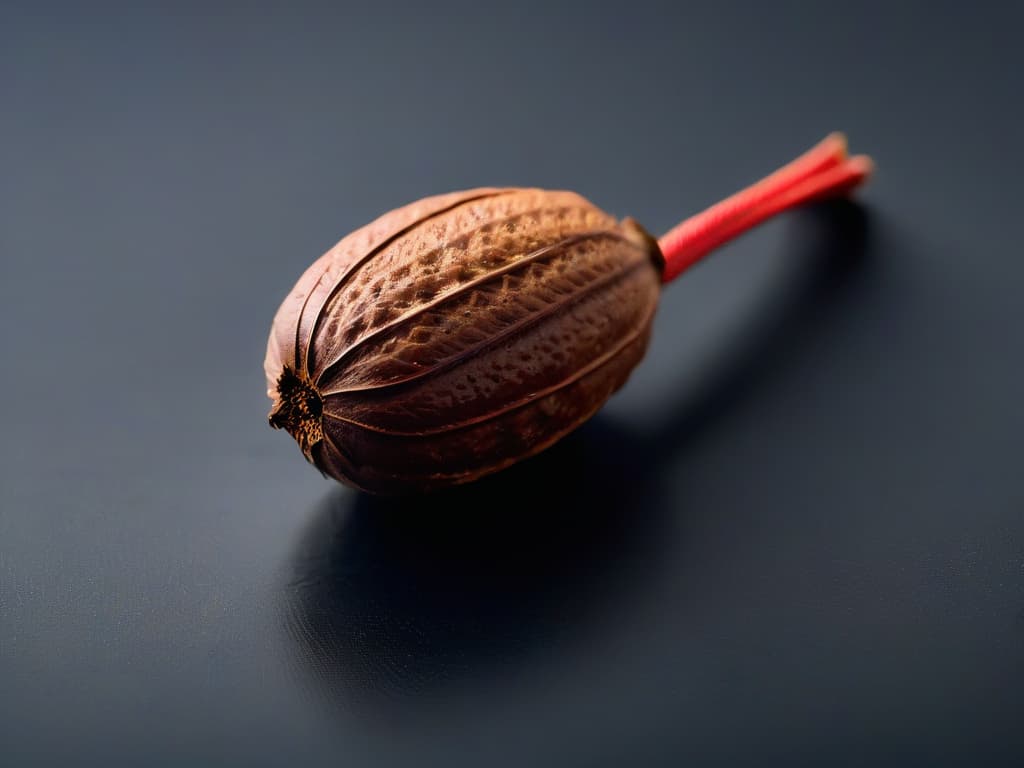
[
  {"x": 391, "y": 597},
  {"x": 390, "y": 601},
  {"x": 830, "y": 245}
]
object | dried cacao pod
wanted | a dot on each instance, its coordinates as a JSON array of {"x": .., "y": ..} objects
[{"x": 457, "y": 335}]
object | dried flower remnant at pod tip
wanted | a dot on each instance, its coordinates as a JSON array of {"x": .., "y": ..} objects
[{"x": 459, "y": 334}]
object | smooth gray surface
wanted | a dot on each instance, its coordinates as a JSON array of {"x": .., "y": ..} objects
[{"x": 796, "y": 537}]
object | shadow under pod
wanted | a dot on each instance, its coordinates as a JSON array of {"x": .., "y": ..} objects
[
  {"x": 390, "y": 597},
  {"x": 389, "y": 601}
]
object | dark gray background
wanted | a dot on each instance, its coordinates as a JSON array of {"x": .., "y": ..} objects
[{"x": 797, "y": 536}]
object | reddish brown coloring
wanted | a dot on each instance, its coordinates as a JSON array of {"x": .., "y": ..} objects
[{"x": 457, "y": 335}]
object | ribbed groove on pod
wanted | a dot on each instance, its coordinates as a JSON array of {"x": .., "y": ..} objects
[
  {"x": 478, "y": 236},
  {"x": 501, "y": 411},
  {"x": 452, "y": 306},
  {"x": 353, "y": 267}
]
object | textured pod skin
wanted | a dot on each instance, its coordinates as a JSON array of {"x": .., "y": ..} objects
[{"x": 459, "y": 334}]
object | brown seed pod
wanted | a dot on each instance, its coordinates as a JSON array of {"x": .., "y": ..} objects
[{"x": 457, "y": 335}]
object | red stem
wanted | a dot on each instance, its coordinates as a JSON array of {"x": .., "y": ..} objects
[{"x": 823, "y": 171}]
